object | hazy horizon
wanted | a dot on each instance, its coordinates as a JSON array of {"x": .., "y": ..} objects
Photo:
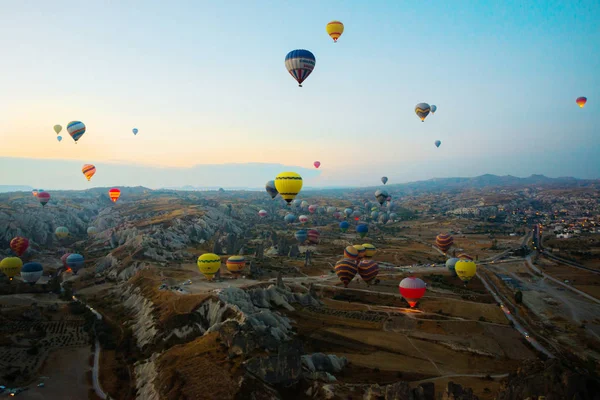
[{"x": 206, "y": 86}]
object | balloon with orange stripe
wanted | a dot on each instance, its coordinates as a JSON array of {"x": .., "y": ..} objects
[
  {"x": 114, "y": 194},
  {"x": 581, "y": 101},
  {"x": 88, "y": 171},
  {"x": 335, "y": 30}
]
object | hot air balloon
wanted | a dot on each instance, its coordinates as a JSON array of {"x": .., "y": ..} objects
[
  {"x": 465, "y": 270},
  {"x": 433, "y": 109},
  {"x": 76, "y": 129},
  {"x": 581, "y": 101},
  {"x": 317, "y": 164},
  {"x": 381, "y": 196},
  {"x": 63, "y": 259},
  {"x": 422, "y": 110},
  {"x": 270, "y": 188},
  {"x": 88, "y": 171},
  {"x": 337, "y": 215},
  {"x": 19, "y": 245},
  {"x": 383, "y": 218},
  {"x": 303, "y": 218},
  {"x": 209, "y": 264},
  {"x": 362, "y": 230},
  {"x": 344, "y": 226},
  {"x": 304, "y": 204},
  {"x": 368, "y": 270},
  {"x": 370, "y": 250},
  {"x": 312, "y": 208},
  {"x": 289, "y": 218},
  {"x": 450, "y": 263},
  {"x": 61, "y": 232},
  {"x": 59, "y": 138},
  {"x": 463, "y": 256},
  {"x": 235, "y": 264},
  {"x": 361, "y": 251},
  {"x": 335, "y": 30},
  {"x": 356, "y": 214},
  {"x": 412, "y": 289},
  {"x": 32, "y": 272},
  {"x": 75, "y": 262},
  {"x": 114, "y": 194},
  {"x": 351, "y": 252},
  {"x": 288, "y": 184},
  {"x": 135, "y": 131},
  {"x": 262, "y": 213},
  {"x": 301, "y": 236},
  {"x": 437, "y": 143},
  {"x": 91, "y": 231},
  {"x": 384, "y": 179},
  {"x": 346, "y": 270},
  {"x": 348, "y": 212},
  {"x": 375, "y": 214},
  {"x": 313, "y": 236},
  {"x": 34, "y": 192},
  {"x": 43, "y": 197},
  {"x": 331, "y": 210},
  {"x": 444, "y": 241},
  {"x": 393, "y": 216},
  {"x": 11, "y": 266},
  {"x": 57, "y": 129},
  {"x": 300, "y": 64}
]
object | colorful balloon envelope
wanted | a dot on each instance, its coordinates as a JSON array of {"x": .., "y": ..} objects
[
  {"x": 34, "y": 192},
  {"x": 362, "y": 230},
  {"x": 313, "y": 236},
  {"x": 92, "y": 231},
  {"x": 422, "y": 110},
  {"x": 351, "y": 252},
  {"x": 433, "y": 109},
  {"x": 76, "y": 129},
  {"x": 450, "y": 263},
  {"x": 303, "y": 218},
  {"x": 75, "y": 262},
  {"x": 301, "y": 236},
  {"x": 114, "y": 194},
  {"x": 262, "y": 213},
  {"x": 464, "y": 256},
  {"x": 235, "y": 264},
  {"x": 348, "y": 212},
  {"x": 412, "y": 289},
  {"x": 437, "y": 143},
  {"x": 381, "y": 196},
  {"x": 444, "y": 241},
  {"x": 43, "y": 198},
  {"x": 11, "y": 266},
  {"x": 581, "y": 101},
  {"x": 465, "y": 270},
  {"x": 57, "y": 129},
  {"x": 300, "y": 64},
  {"x": 317, "y": 164},
  {"x": 61, "y": 232},
  {"x": 135, "y": 131},
  {"x": 361, "y": 251},
  {"x": 19, "y": 245},
  {"x": 338, "y": 215},
  {"x": 346, "y": 270},
  {"x": 63, "y": 259},
  {"x": 209, "y": 264},
  {"x": 88, "y": 171},
  {"x": 370, "y": 250},
  {"x": 32, "y": 272},
  {"x": 312, "y": 208},
  {"x": 288, "y": 185},
  {"x": 289, "y": 218},
  {"x": 270, "y": 188},
  {"x": 368, "y": 270},
  {"x": 335, "y": 30},
  {"x": 344, "y": 226},
  {"x": 384, "y": 179}
]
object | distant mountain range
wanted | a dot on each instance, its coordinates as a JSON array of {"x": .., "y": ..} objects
[{"x": 13, "y": 188}]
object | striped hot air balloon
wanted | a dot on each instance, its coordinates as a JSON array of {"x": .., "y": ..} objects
[
  {"x": 75, "y": 262},
  {"x": 301, "y": 236},
  {"x": 91, "y": 231},
  {"x": 422, "y": 110},
  {"x": 444, "y": 241},
  {"x": 351, "y": 252},
  {"x": 335, "y": 30},
  {"x": 313, "y": 236},
  {"x": 346, "y": 270},
  {"x": 412, "y": 289},
  {"x": 262, "y": 213},
  {"x": 209, "y": 264},
  {"x": 464, "y": 256},
  {"x": 76, "y": 129},
  {"x": 11, "y": 266},
  {"x": 312, "y": 208},
  {"x": 88, "y": 171},
  {"x": 370, "y": 250},
  {"x": 361, "y": 250},
  {"x": 300, "y": 64},
  {"x": 61, "y": 232},
  {"x": 368, "y": 270},
  {"x": 43, "y": 197},
  {"x": 303, "y": 218},
  {"x": 32, "y": 272},
  {"x": 581, "y": 101},
  {"x": 288, "y": 185},
  {"x": 114, "y": 194},
  {"x": 235, "y": 264},
  {"x": 19, "y": 245}
]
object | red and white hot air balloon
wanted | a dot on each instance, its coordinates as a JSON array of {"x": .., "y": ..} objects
[
  {"x": 303, "y": 218},
  {"x": 312, "y": 208},
  {"x": 262, "y": 213},
  {"x": 412, "y": 289}
]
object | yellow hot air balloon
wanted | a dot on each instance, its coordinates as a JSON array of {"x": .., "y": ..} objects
[
  {"x": 288, "y": 184},
  {"x": 57, "y": 129},
  {"x": 335, "y": 30},
  {"x": 209, "y": 264},
  {"x": 88, "y": 171},
  {"x": 465, "y": 269},
  {"x": 11, "y": 266},
  {"x": 235, "y": 264},
  {"x": 370, "y": 250}
]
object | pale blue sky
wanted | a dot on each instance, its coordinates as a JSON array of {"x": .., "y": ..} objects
[{"x": 205, "y": 83}]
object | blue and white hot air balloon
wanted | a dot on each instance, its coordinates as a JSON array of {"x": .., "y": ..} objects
[
  {"x": 75, "y": 262},
  {"x": 32, "y": 272},
  {"x": 76, "y": 129},
  {"x": 300, "y": 63}
]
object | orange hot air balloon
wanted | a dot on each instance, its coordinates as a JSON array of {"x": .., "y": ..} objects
[
  {"x": 581, "y": 101},
  {"x": 88, "y": 170},
  {"x": 114, "y": 194}
]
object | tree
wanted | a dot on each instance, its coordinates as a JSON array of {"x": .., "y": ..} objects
[{"x": 519, "y": 297}]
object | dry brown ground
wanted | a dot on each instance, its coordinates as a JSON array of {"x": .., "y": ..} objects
[{"x": 479, "y": 386}]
